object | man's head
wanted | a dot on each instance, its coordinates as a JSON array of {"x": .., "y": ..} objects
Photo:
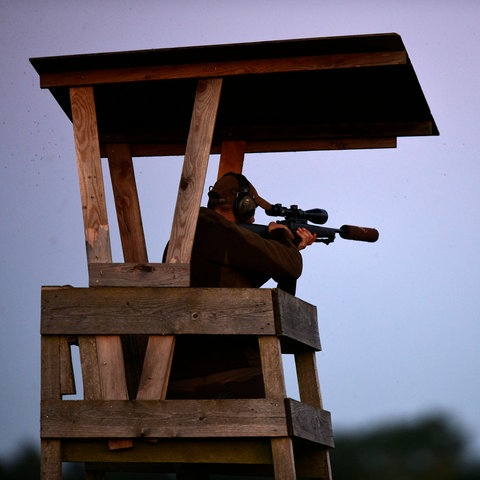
[{"x": 234, "y": 192}]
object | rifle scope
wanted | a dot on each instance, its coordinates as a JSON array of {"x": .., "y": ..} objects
[{"x": 314, "y": 215}]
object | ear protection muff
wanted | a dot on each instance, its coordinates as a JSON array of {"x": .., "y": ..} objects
[{"x": 244, "y": 205}]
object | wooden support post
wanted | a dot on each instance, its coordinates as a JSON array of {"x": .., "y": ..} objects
[
  {"x": 112, "y": 373},
  {"x": 133, "y": 245},
  {"x": 154, "y": 381},
  {"x": 67, "y": 379},
  {"x": 309, "y": 389},
  {"x": 274, "y": 382},
  {"x": 126, "y": 202},
  {"x": 51, "y": 454},
  {"x": 231, "y": 157}
]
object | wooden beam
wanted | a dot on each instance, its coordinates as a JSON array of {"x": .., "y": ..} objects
[
  {"x": 274, "y": 384},
  {"x": 298, "y": 319},
  {"x": 223, "y": 68},
  {"x": 231, "y": 158},
  {"x": 126, "y": 203},
  {"x": 310, "y": 394},
  {"x": 192, "y": 179},
  {"x": 344, "y": 143},
  {"x": 309, "y": 423},
  {"x": 201, "y": 311},
  {"x": 94, "y": 207},
  {"x": 133, "y": 245},
  {"x": 90, "y": 175},
  {"x": 163, "y": 418},
  {"x": 139, "y": 274},
  {"x": 154, "y": 380},
  {"x": 67, "y": 378},
  {"x": 251, "y": 451}
]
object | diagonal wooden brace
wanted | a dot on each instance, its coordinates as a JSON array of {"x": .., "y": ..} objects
[{"x": 154, "y": 379}]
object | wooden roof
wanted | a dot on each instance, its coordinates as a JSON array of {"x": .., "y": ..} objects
[{"x": 307, "y": 94}]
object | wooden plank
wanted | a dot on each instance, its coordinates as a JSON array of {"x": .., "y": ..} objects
[
  {"x": 309, "y": 423},
  {"x": 231, "y": 158},
  {"x": 283, "y": 459},
  {"x": 90, "y": 175},
  {"x": 310, "y": 394},
  {"x": 185, "y": 220},
  {"x": 126, "y": 203},
  {"x": 310, "y": 145},
  {"x": 274, "y": 384},
  {"x": 139, "y": 274},
  {"x": 133, "y": 245},
  {"x": 296, "y": 320},
  {"x": 51, "y": 459},
  {"x": 223, "y": 68},
  {"x": 272, "y": 367},
  {"x": 194, "y": 170},
  {"x": 90, "y": 367},
  {"x": 50, "y": 368},
  {"x": 156, "y": 368},
  {"x": 307, "y": 375},
  {"x": 67, "y": 378},
  {"x": 110, "y": 359},
  {"x": 163, "y": 418},
  {"x": 95, "y": 220},
  {"x": 112, "y": 310},
  {"x": 312, "y": 461},
  {"x": 250, "y": 451},
  {"x": 141, "y": 149}
]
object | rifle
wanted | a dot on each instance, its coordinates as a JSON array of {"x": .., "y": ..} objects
[{"x": 296, "y": 218}]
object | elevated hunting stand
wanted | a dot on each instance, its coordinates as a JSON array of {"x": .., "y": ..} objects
[{"x": 311, "y": 94}]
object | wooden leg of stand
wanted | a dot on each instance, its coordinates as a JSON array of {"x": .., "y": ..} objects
[
  {"x": 156, "y": 368},
  {"x": 272, "y": 367},
  {"x": 309, "y": 388},
  {"x": 51, "y": 460}
]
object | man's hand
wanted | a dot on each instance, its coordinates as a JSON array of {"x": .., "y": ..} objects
[
  {"x": 306, "y": 237},
  {"x": 274, "y": 225}
]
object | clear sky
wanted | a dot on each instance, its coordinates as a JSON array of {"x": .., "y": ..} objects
[{"x": 399, "y": 319}]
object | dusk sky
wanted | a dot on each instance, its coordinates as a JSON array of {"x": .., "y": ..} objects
[{"x": 399, "y": 319}]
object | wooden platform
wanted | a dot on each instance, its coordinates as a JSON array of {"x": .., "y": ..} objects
[{"x": 219, "y": 434}]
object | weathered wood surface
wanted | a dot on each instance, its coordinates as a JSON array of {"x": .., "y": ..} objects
[
  {"x": 163, "y": 418},
  {"x": 189, "y": 197},
  {"x": 90, "y": 368},
  {"x": 90, "y": 175},
  {"x": 156, "y": 368},
  {"x": 105, "y": 310},
  {"x": 113, "y": 383},
  {"x": 309, "y": 423},
  {"x": 50, "y": 368},
  {"x": 233, "y": 456},
  {"x": 223, "y": 69},
  {"x": 140, "y": 149},
  {"x": 67, "y": 378},
  {"x": 139, "y": 274},
  {"x": 133, "y": 245},
  {"x": 307, "y": 376},
  {"x": 126, "y": 203},
  {"x": 298, "y": 319},
  {"x": 51, "y": 459},
  {"x": 274, "y": 385},
  {"x": 180, "y": 450},
  {"x": 194, "y": 170},
  {"x": 310, "y": 395}
]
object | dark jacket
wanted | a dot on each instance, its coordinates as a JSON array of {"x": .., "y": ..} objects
[{"x": 226, "y": 254}]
